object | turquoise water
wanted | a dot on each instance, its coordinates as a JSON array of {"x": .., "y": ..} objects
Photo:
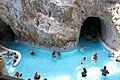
[{"x": 64, "y": 68}]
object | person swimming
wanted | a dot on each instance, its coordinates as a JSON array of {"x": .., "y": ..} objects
[
  {"x": 32, "y": 53},
  {"x": 82, "y": 63}
]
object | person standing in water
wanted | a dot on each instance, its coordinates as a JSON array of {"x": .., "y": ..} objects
[
  {"x": 84, "y": 73},
  {"x": 59, "y": 55},
  {"x": 82, "y": 49},
  {"x": 104, "y": 72},
  {"x": 94, "y": 58},
  {"x": 54, "y": 56}
]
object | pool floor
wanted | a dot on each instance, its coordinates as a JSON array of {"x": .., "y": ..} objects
[{"x": 64, "y": 68}]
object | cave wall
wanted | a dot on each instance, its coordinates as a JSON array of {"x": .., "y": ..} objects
[
  {"x": 109, "y": 33},
  {"x": 57, "y": 23},
  {"x": 6, "y": 33},
  {"x": 110, "y": 26}
]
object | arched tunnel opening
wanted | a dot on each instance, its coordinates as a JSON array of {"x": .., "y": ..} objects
[
  {"x": 91, "y": 28},
  {"x": 6, "y": 33}
]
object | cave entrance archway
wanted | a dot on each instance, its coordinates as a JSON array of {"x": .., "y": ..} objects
[
  {"x": 102, "y": 26},
  {"x": 6, "y": 33},
  {"x": 91, "y": 27}
]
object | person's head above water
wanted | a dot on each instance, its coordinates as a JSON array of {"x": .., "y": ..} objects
[
  {"x": 104, "y": 67},
  {"x": 84, "y": 58},
  {"x": 95, "y": 54}
]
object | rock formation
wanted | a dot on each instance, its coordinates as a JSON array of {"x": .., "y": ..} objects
[
  {"x": 3, "y": 69},
  {"x": 57, "y": 23}
]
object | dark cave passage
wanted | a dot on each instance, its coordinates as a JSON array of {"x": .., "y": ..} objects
[
  {"x": 6, "y": 33},
  {"x": 91, "y": 27}
]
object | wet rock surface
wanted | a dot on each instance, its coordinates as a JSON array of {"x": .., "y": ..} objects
[{"x": 57, "y": 23}]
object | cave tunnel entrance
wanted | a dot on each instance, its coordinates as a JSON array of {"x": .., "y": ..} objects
[
  {"x": 6, "y": 33},
  {"x": 91, "y": 28}
]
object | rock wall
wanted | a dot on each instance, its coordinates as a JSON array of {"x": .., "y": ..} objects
[
  {"x": 6, "y": 33},
  {"x": 3, "y": 69},
  {"x": 57, "y": 23}
]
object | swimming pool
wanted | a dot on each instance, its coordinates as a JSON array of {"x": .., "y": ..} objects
[{"x": 64, "y": 68}]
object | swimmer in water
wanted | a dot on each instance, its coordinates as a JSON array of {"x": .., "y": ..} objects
[
  {"x": 94, "y": 58},
  {"x": 82, "y": 49},
  {"x": 54, "y": 56},
  {"x": 82, "y": 63}
]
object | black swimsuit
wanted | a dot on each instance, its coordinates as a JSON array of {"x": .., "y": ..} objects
[{"x": 84, "y": 74}]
